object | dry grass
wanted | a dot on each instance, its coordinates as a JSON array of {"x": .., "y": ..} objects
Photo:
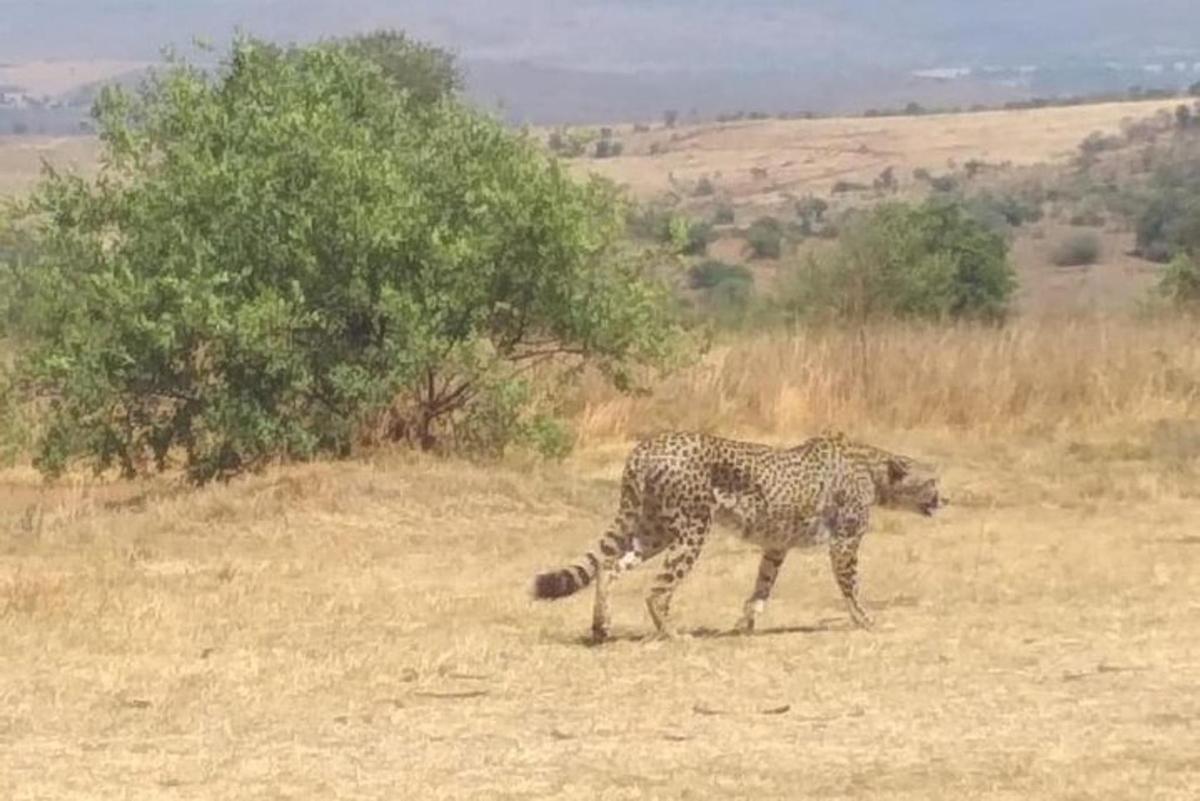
[
  {"x": 1082, "y": 373},
  {"x": 363, "y": 629},
  {"x": 759, "y": 160},
  {"x": 21, "y": 159}
]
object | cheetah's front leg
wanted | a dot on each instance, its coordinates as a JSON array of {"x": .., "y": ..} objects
[{"x": 843, "y": 552}]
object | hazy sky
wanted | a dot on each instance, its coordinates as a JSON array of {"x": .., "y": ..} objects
[{"x": 627, "y": 35}]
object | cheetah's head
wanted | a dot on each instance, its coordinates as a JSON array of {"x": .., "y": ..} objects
[{"x": 904, "y": 484}]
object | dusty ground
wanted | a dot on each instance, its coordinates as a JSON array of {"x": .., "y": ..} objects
[
  {"x": 1117, "y": 280},
  {"x": 363, "y": 631}
]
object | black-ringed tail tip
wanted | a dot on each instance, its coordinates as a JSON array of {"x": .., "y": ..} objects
[{"x": 561, "y": 583}]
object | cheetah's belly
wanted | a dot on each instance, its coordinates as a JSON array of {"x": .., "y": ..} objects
[{"x": 790, "y": 533}]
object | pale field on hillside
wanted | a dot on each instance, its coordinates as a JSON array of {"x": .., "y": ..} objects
[
  {"x": 807, "y": 156},
  {"x": 22, "y": 157},
  {"x": 54, "y": 77},
  {"x": 364, "y": 629},
  {"x": 802, "y": 156},
  {"x": 799, "y": 156}
]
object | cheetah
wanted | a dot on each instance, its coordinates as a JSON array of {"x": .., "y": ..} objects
[{"x": 676, "y": 485}]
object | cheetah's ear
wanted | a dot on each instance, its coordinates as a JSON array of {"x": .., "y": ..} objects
[{"x": 898, "y": 468}]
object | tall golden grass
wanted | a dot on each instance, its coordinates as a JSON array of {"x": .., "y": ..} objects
[{"x": 1079, "y": 373}]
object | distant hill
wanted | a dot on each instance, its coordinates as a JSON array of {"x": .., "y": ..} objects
[{"x": 598, "y": 60}]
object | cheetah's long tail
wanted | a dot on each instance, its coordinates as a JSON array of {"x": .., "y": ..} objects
[{"x": 570, "y": 580}]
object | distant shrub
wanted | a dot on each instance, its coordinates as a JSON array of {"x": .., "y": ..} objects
[
  {"x": 765, "y": 237},
  {"x": 1077, "y": 250},
  {"x": 1087, "y": 217},
  {"x": 1168, "y": 222},
  {"x": 608, "y": 148},
  {"x": 704, "y": 187},
  {"x": 713, "y": 272},
  {"x": 728, "y": 290},
  {"x": 657, "y": 223},
  {"x": 1180, "y": 282},
  {"x": 842, "y": 187},
  {"x": 724, "y": 214},
  {"x": 886, "y": 180},
  {"x": 569, "y": 143},
  {"x": 810, "y": 210},
  {"x": 651, "y": 221},
  {"x": 1184, "y": 118},
  {"x": 1097, "y": 142},
  {"x": 1016, "y": 209},
  {"x": 943, "y": 183},
  {"x": 973, "y": 167},
  {"x": 699, "y": 234},
  {"x": 641, "y": 127},
  {"x": 900, "y": 260}
]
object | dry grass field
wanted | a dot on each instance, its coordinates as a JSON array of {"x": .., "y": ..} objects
[
  {"x": 55, "y": 77},
  {"x": 363, "y": 630},
  {"x": 21, "y": 159},
  {"x": 756, "y": 162},
  {"x": 760, "y": 160}
]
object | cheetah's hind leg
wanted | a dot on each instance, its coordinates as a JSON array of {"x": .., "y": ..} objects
[
  {"x": 620, "y": 555},
  {"x": 686, "y": 542}
]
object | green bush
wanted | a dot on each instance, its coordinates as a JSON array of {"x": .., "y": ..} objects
[
  {"x": 1180, "y": 282},
  {"x": 713, "y": 272},
  {"x": 425, "y": 72},
  {"x": 650, "y": 222},
  {"x": 728, "y": 290},
  {"x": 1169, "y": 222},
  {"x": 656, "y": 223},
  {"x": 284, "y": 253},
  {"x": 1002, "y": 211},
  {"x": 810, "y": 210},
  {"x": 765, "y": 237},
  {"x": 900, "y": 260},
  {"x": 569, "y": 143},
  {"x": 699, "y": 234},
  {"x": 1077, "y": 250}
]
